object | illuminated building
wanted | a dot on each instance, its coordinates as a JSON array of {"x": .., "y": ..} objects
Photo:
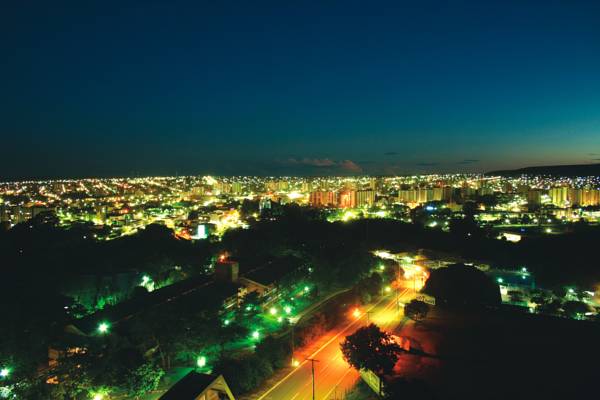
[
  {"x": 347, "y": 199},
  {"x": 236, "y": 188},
  {"x": 558, "y": 196},
  {"x": 534, "y": 197},
  {"x": 590, "y": 197},
  {"x": 575, "y": 196},
  {"x": 322, "y": 199},
  {"x": 226, "y": 270},
  {"x": 365, "y": 198}
]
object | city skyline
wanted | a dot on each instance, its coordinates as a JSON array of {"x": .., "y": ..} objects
[{"x": 239, "y": 89}]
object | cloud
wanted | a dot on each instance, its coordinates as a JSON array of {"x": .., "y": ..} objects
[
  {"x": 314, "y": 162},
  {"x": 390, "y": 153},
  {"x": 350, "y": 165},
  {"x": 468, "y": 161},
  {"x": 323, "y": 165}
]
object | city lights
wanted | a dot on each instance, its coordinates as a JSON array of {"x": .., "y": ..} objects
[{"x": 404, "y": 200}]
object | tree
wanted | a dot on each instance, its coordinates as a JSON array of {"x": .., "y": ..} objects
[
  {"x": 460, "y": 285},
  {"x": 416, "y": 310},
  {"x": 276, "y": 351},
  {"x": 231, "y": 333},
  {"x": 143, "y": 379},
  {"x": 575, "y": 309},
  {"x": 371, "y": 348}
]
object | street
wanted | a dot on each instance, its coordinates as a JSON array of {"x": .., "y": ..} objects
[{"x": 333, "y": 376}]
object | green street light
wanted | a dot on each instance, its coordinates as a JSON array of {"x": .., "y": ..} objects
[
  {"x": 103, "y": 328},
  {"x": 4, "y": 373},
  {"x": 288, "y": 309},
  {"x": 201, "y": 362},
  {"x": 255, "y": 335},
  {"x": 500, "y": 280},
  {"x": 98, "y": 396}
]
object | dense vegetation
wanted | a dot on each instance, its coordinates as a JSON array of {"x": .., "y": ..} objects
[{"x": 44, "y": 265}]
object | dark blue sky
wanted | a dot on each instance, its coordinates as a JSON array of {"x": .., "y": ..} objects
[{"x": 252, "y": 87}]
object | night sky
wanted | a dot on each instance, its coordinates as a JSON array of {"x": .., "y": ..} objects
[{"x": 118, "y": 88}]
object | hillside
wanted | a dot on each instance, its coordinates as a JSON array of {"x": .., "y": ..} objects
[{"x": 553, "y": 170}]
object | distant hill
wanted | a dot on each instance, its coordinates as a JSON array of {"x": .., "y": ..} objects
[{"x": 554, "y": 170}]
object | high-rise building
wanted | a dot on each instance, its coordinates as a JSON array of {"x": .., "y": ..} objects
[
  {"x": 347, "y": 199},
  {"x": 534, "y": 197},
  {"x": 407, "y": 196},
  {"x": 236, "y": 187},
  {"x": 575, "y": 196},
  {"x": 447, "y": 194},
  {"x": 558, "y": 195},
  {"x": 590, "y": 197},
  {"x": 322, "y": 198},
  {"x": 365, "y": 198}
]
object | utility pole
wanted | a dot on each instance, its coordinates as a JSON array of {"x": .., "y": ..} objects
[
  {"x": 293, "y": 344},
  {"x": 312, "y": 364}
]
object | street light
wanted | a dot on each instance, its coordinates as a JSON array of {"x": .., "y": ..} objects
[
  {"x": 103, "y": 328},
  {"x": 201, "y": 362},
  {"x": 255, "y": 335},
  {"x": 4, "y": 373}
]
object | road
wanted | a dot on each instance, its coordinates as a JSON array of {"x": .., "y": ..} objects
[{"x": 333, "y": 376}]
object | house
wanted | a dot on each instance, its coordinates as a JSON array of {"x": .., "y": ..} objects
[{"x": 197, "y": 386}]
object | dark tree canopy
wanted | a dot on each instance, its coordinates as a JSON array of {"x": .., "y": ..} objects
[
  {"x": 416, "y": 310},
  {"x": 371, "y": 348},
  {"x": 462, "y": 285},
  {"x": 402, "y": 388}
]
